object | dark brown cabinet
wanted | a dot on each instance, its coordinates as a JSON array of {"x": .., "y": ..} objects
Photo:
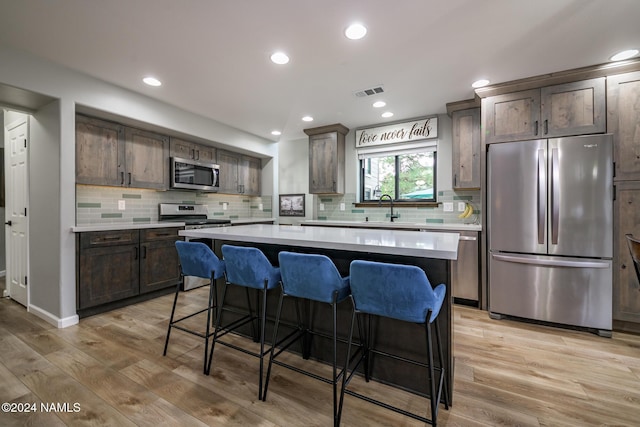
[
  {"x": 108, "y": 267},
  {"x": 466, "y": 149},
  {"x": 623, "y": 121},
  {"x": 159, "y": 266},
  {"x": 239, "y": 174},
  {"x": 99, "y": 152},
  {"x": 626, "y": 289},
  {"x": 326, "y": 159},
  {"x": 116, "y": 265},
  {"x": 146, "y": 159},
  {"x": 111, "y": 154},
  {"x": 191, "y": 150},
  {"x": 576, "y": 108}
]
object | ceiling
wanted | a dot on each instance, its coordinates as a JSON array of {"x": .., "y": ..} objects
[{"x": 213, "y": 55}]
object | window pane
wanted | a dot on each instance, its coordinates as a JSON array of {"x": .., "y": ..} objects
[
  {"x": 379, "y": 178},
  {"x": 416, "y": 176}
]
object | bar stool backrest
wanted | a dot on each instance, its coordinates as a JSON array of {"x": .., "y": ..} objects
[
  {"x": 311, "y": 276},
  {"x": 197, "y": 259},
  {"x": 247, "y": 266},
  {"x": 398, "y": 291},
  {"x": 634, "y": 249}
]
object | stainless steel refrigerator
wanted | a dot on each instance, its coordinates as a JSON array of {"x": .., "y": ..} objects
[{"x": 550, "y": 232}]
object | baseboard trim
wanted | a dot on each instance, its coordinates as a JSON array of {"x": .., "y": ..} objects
[{"x": 54, "y": 320}]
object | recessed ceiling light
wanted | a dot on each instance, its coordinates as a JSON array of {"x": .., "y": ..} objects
[
  {"x": 307, "y": 119},
  {"x": 355, "y": 31},
  {"x": 387, "y": 114},
  {"x": 379, "y": 104},
  {"x": 152, "y": 81},
  {"x": 480, "y": 83},
  {"x": 280, "y": 58},
  {"x": 625, "y": 54},
  {"x": 276, "y": 132}
]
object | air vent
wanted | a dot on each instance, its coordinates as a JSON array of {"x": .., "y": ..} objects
[{"x": 368, "y": 92}]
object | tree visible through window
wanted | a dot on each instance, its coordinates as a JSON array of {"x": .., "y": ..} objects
[{"x": 405, "y": 177}]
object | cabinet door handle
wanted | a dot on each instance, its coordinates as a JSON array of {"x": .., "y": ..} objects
[
  {"x": 144, "y": 252},
  {"x": 193, "y": 153},
  {"x": 455, "y": 180},
  {"x": 111, "y": 238},
  {"x": 129, "y": 178},
  {"x": 135, "y": 256},
  {"x": 335, "y": 187},
  {"x": 121, "y": 178},
  {"x": 198, "y": 155},
  {"x": 536, "y": 128},
  {"x": 546, "y": 127}
]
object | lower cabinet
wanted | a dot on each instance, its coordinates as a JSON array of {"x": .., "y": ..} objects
[
  {"x": 117, "y": 265},
  {"x": 626, "y": 288}
]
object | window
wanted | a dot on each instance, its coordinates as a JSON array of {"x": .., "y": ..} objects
[{"x": 404, "y": 175}]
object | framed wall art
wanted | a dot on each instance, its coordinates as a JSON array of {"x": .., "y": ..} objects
[{"x": 291, "y": 205}]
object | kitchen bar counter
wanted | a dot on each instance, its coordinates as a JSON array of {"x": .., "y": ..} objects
[
  {"x": 438, "y": 245},
  {"x": 433, "y": 252}
]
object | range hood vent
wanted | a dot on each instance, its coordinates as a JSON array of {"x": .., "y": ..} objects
[{"x": 368, "y": 92}]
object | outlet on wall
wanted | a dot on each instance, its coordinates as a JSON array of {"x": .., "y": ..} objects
[
  {"x": 462, "y": 206},
  {"x": 121, "y": 205},
  {"x": 321, "y": 206},
  {"x": 342, "y": 207},
  {"x": 225, "y": 205},
  {"x": 447, "y": 206}
]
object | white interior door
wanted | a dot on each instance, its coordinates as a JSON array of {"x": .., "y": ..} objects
[{"x": 16, "y": 146}]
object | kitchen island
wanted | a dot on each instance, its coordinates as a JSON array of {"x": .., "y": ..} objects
[{"x": 433, "y": 252}]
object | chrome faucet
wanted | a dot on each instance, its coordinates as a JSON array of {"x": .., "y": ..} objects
[{"x": 392, "y": 216}]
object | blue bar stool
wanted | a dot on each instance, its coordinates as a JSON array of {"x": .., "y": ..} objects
[
  {"x": 401, "y": 292},
  {"x": 315, "y": 278},
  {"x": 196, "y": 259},
  {"x": 247, "y": 267}
]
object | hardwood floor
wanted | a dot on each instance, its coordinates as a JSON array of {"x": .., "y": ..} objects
[{"x": 111, "y": 365}]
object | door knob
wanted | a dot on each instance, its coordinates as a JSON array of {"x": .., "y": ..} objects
[{"x": 8, "y": 223}]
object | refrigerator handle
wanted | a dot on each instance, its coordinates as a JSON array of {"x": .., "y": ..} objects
[
  {"x": 542, "y": 196},
  {"x": 555, "y": 196}
]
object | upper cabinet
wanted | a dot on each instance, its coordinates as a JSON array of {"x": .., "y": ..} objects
[
  {"x": 326, "y": 159},
  {"x": 111, "y": 154},
  {"x": 239, "y": 174},
  {"x": 466, "y": 149},
  {"x": 623, "y": 111},
  {"x": 575, "y": 108},
  {"x": 99, "y": 152},
  {"x": 146, "y": 159},
  {"x": 191, "y": 150}
]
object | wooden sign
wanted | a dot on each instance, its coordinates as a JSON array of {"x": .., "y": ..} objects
[{"x": 399, "y": 132}]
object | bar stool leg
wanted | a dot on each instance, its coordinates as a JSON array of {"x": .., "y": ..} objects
[
  {"x": 263, "y": 320},
  {"x": 441, "y": 359},
  {"x": 173, "y": 310},
  {"x": 212, "y": 290},
  {"x": 345, "y": 374},
  {"x": 432, "y": 385},
  {"x": 217, "y": 326}
]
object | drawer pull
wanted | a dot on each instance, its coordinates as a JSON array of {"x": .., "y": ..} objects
[{"x": 112, "y": 238}]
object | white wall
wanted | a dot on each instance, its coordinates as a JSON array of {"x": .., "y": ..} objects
[
  {"x": 293, "y": 175},
  {"x": 55, "y": 131}
]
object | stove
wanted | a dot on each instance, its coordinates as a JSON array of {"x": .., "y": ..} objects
[{"x": 194, "y": 216}]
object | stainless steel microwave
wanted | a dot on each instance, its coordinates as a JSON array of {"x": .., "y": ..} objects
[{"x": 191, "y": 174}]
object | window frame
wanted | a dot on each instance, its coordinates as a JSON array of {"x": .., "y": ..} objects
[{"x": 363, "y": 159}]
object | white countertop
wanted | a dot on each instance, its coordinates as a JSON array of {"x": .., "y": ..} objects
[
  {"x": 160, "y": 224},
  {"x": 424, "y": 244},
  {"x": 392, "y": 225}
]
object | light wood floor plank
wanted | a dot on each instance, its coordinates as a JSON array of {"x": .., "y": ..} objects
[{"x": 506, "y": 373}]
